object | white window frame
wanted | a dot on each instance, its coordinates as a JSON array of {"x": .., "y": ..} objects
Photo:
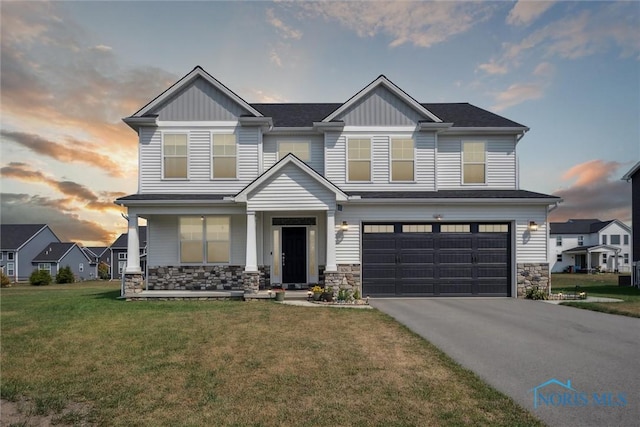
[
  {"x": 11, "y": 269},
  {"x": 204, "y": 259},
  {"x": 11, "y": 256},
  {"x": 164, "y": 156},
  {"x": 392, "y": 159},
  {"x": 626, "y": 258},
  {"x": 604, "y": 239},
  {"x": 122, "y": 255},
  {"x": 121, "y": 266},
  {"x": 558, "y": 241},
  {"x": 46, "y": 266},
  {"x": 580, "y": 240},
  {"x": 349, "y": 159},
  {"x": 81, "y": 267},
  {"x": 282, "y": 154},
  {"x": 464, "y": 162},
  {"x": 227, "y": 156}
]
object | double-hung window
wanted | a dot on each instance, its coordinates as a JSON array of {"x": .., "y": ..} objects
[
  {"x": 604, "y": 239},
  {"x": 300, "y": 149},
  {"x": 44, "y": 266},
  {"x": 359, "y": 159},
  {"x": 224, "y": 156},
  {"x": 174, "y": 152},
  {"x": 474, "y": 162},
  {"x": 204, "y": 239},
  {"x": 580, "y": 240},
  {"x": 626, "y": 239},
  {"x": 402, "y": 160},
  {"x": 558, "y": 240},
  {"x": 11, "y": 269},
  {"x": 615, "y": 239}
]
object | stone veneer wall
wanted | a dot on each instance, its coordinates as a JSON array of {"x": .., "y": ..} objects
[
  {"x": 347, "y": 276},
  {"x": 533, "y": 275},
  {"x": 133, "y": 284},
  {"x": 207, "y": 278}
]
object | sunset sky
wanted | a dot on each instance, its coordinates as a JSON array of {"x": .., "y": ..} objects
[{"x": 69, "y": 72}]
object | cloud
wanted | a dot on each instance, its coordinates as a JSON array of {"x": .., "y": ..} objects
[
  {"x": 422, "y": 24},
  {"x": 596, "y": 191},
  {"x": 525, "y": 12},
  {"x": 19, "y": 208},
  {"x": 521, "y": 92},
  {"x": 75, "y": 192},
  {"x": 73, "y": 151},
  {"x": 493, "y": 67},
  {"x": 283, "y": 29},
  {"x": 275, "y": 58}
]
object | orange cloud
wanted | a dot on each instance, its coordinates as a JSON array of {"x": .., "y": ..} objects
[{"x": 591, "y": 172}]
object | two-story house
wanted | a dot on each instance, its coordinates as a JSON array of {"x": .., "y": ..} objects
[
  {"x": 633, "y": 176},
  {"x": 589, "y": 245},
  {"x": 117, "y": 253},
  {"x": 19, "y": 245},
  {"x": 381, "y": 192}
]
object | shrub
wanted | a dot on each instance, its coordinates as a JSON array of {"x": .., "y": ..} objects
[
  {"x": 535, "y": 293},
  {"x": 103, "y": 271},
  {"x": 65, "y": 275},
  {"x": 40, "y": 278},
  {"x": 5, "y": 282}
]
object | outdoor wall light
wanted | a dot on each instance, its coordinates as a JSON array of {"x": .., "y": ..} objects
[
  {"x": 533, "y": 226},
  {"x": 344, "y": 226},
  {"x": 438, "y": 217}
]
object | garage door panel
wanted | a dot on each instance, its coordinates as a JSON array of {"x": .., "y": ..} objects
[
  {"x": 460, "y": 271},
  {"x": 454, "y": 241},
  {"x": 455, "y": 288},
  {"x": 416, "y": 258},
  {"x": 416, "y": 242},
  {"x": 380, "y": 258},
  {"x": 416, "y": 272},
  {"x": 492, "y": 257},
  {"x": 455, "y": 257},
  {"x": 416, "y": 288},
  {"x": 491, "y": 242}
]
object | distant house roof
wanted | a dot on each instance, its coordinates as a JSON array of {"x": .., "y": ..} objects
[
  {"x": 121, "y": 241},
  {"x": 632, "y": 172},
  {"x": 578, "y": 226},
  {"x": 94, "y": 251},
  {"x": 55, "y": 251},
  {"x": 13, "y": 236}
]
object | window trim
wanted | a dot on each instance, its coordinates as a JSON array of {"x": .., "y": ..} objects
[
  {"x": 617, "y": 236},
  {"x": 45, "y": 264},
  {"x": 212, "y": 156},
  {"x": 580, "y": 240},
  {"x": 625, "y": 239},
  {"x": 11, "y": 256},
  {"x": 463, "y": 162},
  {"x": 11, "y": 269},
  {"x": 604, "y": 239},
  {"x": 163, "y": 134},
  {"x": 293, "y": 141},
  {"x": 558, "y": 241},
  {"x": 559, "y": 257},
  {"x": 122, "y": 256},
  {"x": 625, "y": 258},
  {"x": 348, "y": 160},
  {"x": 391, "y": 158},
  {"x": 204, "y": 241}
]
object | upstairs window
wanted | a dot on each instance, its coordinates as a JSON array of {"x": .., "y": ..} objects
[
  {"x": 615, "y": 239},
  {"x": 174, "y": 152},
  {"x": 626, "y": 239},
  {"x": 474, "y": 162},
  {"x": 359, "y": 159},
  {"x": 604, "y": 239},
  {"x": 580, "y": 240},
  {"x": 402, "y": 160},
  {"x": 10, "y": 256},
  {"x": 558, "y": 240},
  {"x": 300, "y": 149},
  {"x": 224, "y": 157}
]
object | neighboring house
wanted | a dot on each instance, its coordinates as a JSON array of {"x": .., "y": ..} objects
[
  {"x": 588, "y": 245},
  {"x": 98, "y": 254},
  {"x": 118, "y": 253},
  {"x": 381, "y": 192},
  {"x": 20, "y": 243},
  {"x": 634, "y": 177},
  {"x": 57, "y": 255}
]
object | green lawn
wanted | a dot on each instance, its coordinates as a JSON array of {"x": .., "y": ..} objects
[
  {"x": 228, "y": 363},
  {"x": 599, "y": 285}
]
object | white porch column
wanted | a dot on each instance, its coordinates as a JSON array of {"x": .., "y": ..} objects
[
  {"x": 133, "y": 246},
  {"x": 331, "y": 242},
  {"x": 251, "y": 264},
  {"x": 615, "y": 261}
]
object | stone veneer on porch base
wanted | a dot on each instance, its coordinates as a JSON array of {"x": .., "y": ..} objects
[
  {"x": 533, "y": 275},
  {"x": 208, "y": 278},
  {"x": 347, "y": 276}
]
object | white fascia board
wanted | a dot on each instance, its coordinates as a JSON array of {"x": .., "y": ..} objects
[
  {"x": 627, "y": 176},
  {"x": 485, "y": 130},
  {"x": 195, "y": 124},
  {"x": 385, "y": 129},
  {"x": 444, "y": 201},
  {"x": 382, "y": 80},
  {"x": 160, "y": 203},
  {"x": 256, "y": 121},
  {"x": 617, "y": 222},
  {"x": 293, "y": 131}
]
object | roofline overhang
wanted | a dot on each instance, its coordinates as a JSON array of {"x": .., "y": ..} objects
[
  {"x": 281, "y": 130},
  {"x": 193, "y": 202},
  {"x": 265, "y": 122},
  {"x": 439, "y": 127},
  {"x": 457, "y": 201},
  {"x": 627, "y": 176},
  {"x": 487, "y": 130},
  {"x": 136, "y": 123},
  {"x": 328, "y": 126}
]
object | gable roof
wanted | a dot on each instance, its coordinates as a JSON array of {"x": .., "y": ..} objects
[
  {"x": 14, "y": 236},
  {"x": 286, "y": 160},
  {"x": 578, "y": 226},
  {"x": 634, "y": 169},
  {"x": 198, "y": 71},
  {"x": 382, "y": 80},
  {"x": 55, "y": 251},
  {"x": 94, "y": 251},
  {"x": 121, "y": 241}
]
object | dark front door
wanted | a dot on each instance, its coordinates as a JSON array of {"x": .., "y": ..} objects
[{"x": 294, "y": 255}]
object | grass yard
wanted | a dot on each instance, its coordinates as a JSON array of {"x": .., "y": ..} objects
[
  {"x": 228, "y": 363},
  {"x": 599, "y": 285}
]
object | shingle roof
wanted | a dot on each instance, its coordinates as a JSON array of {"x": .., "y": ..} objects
[
  {"x": 15, "y": 235},
  {"x": 460, "y": 114},
  {"x": 94, "y": 251},
  {"x": 173, "y": 196},
  {"x": 452, "y": 194},
  {"x": 53, "y": 252},
  {"x": 121, "y": 241},
  {"x": 578, "y": 226}
]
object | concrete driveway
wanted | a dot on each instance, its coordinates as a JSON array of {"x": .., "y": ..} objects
[{"x": 518, "y": 345}]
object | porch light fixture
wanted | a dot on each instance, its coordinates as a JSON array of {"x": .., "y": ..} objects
[
  {"x": 533, "y": 226},
  {"x": 438, "y": 217},
  {"x": 344, "y": 226}
]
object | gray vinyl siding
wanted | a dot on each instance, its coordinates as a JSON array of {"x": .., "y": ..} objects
[
  {"x": 424, "y": 161},
  {"x": 164, "y": 246},
  {"x": 380, "y": 108},
  {"x": 529, "y": 246},
  {"x": 270, "y": 150},
  {"x": 501, "y": 162},
  {"x": 291, "y": 187},
  {"x": 199, "y": 101},
  {"x": 33, "y": 247},
  {"x": 73, "y": 259},
  {"x": 199, "y": 161}
]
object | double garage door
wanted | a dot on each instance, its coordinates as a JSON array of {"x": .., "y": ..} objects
[{"x": 410, "y": 259}]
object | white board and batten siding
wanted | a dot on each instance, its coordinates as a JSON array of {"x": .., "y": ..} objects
[
  {"x": 199, "y": 159},
  {"x": 291, "y": 186},
  {"x": 164, "y": 240},
  {"x": 424, "y": 160},
  {"x": 500, "y": 160},
  {"x": 316, "y": 146},
  {"x": 529, "y": 246}
]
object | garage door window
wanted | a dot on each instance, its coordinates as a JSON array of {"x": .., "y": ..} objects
[
  {"x": 455, "y": 228},
  {"x": 417, "y": 228},
  {"x": 493, "y": 228},
  {"x": 369, "y": 229}
]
